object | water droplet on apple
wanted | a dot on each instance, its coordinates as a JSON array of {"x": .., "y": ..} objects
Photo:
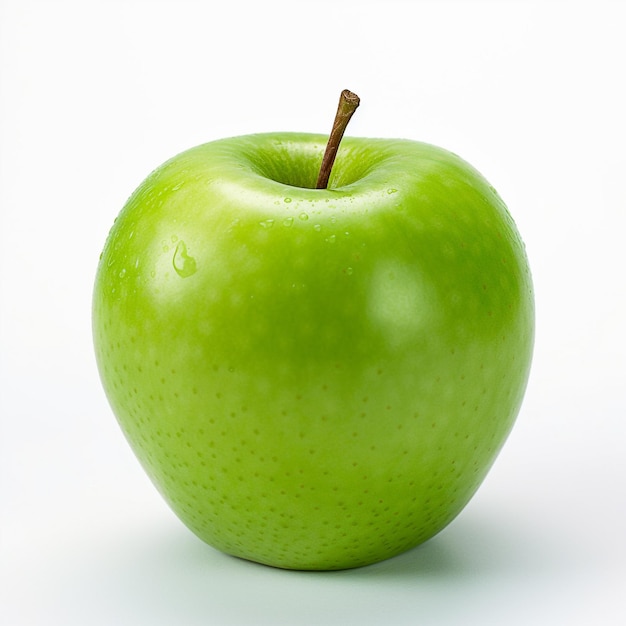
[
  {"x": 349, "y": 271},
  {"x": 331, "y": 239},
  {"x": 390, "y": 191},
  {"x": 288, "y": 221},
  {"x": 267, "y": 223},
  {"x": 287, "y": 199},
  {"x": 184, "y": 264},
  {"x": 122, "y": 273},
  {"x": 304, "y": 217},
  {"x": 317, "y": 227}
]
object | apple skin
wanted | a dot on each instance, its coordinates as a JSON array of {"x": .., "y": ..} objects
[{"x": 314, "y": 379}]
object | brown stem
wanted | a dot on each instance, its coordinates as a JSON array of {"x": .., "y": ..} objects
[{"x": 348, "y": 103}]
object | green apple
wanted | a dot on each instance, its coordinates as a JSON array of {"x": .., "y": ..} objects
[{"x": 314, "y": 378}]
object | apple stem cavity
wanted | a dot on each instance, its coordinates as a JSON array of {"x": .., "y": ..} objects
[{"x": 348, "y": 103}]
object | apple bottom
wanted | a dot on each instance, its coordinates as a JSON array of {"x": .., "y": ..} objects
[{"x": 315, "y": 481}]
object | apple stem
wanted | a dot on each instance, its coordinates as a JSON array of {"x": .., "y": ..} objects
[{"x": 348, "y": 103}]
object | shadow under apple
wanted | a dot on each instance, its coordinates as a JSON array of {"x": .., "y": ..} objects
[{"x": 475, "y": 565}]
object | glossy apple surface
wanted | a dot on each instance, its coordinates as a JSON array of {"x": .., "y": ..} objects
[{"x": 314, "y": 379}]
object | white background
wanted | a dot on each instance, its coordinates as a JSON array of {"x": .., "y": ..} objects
[{"x": 94, "y": 95}]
